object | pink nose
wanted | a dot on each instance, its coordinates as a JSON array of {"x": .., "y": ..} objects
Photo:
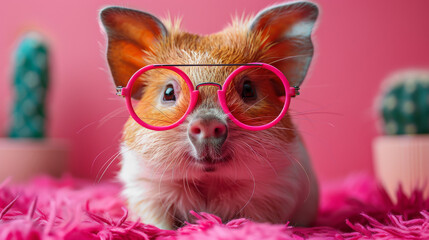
[
  {"x": 202, "y": 129},
  {"x": 207, "y": 135}
]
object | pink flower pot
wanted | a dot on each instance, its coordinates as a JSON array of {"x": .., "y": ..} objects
[
  {"x": 402, "y": 160},
  {"x": 22, "y": 159}
]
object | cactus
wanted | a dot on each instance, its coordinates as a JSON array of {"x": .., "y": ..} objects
[
  {"x": 405, "y": 103},
  {"x": 30, "y": 80}
]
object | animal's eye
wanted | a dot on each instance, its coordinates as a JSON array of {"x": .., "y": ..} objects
[
  {"x": 169, "y": 94},
  {"x": 248, "y": 91}
]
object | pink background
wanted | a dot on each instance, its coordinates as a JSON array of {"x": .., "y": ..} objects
[{"x": 357, "y": 43}]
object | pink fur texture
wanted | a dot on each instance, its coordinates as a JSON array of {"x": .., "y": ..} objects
[{"x": 72, "y": 209}]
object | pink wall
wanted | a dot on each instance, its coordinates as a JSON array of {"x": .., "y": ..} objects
[{"x": 357, "y": 44}]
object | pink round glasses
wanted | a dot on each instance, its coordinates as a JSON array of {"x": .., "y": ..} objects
[{"x": 194, "y": 93}]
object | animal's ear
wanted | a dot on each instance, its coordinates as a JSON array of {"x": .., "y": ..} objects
[
  {"x": 131, "y": 34},
  {"x": 287, "y": 28}
]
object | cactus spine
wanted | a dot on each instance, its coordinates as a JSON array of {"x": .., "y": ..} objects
[
  {"x": 405, "y": 104},
  {"x": 31, "y": 77}
]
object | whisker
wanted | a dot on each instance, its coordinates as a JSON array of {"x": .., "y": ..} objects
[
  {"x": 160, "y": 111},
  {"x": 266, "y": 154},
  {"x": 163, "y": 204},
  {"x": 289, "y": 57},
  {"x": 292, "y": 113},
  {"x": 117, "y": 152},
  {"x": 196, "y": 187},
  {"x": 263, "y": 117},
  {"x": 283, "y": 128},
  {"x": 155, "y": 119},
  {"x": 98, "y": 155},
  {"x": 254, "y": 186},
  {"x": 112, "y": 115},
  {"x": 103, "y": 120},
  {"x": 290, "y": 156},
  {"x": 255, "y": 104},
  {"x": 187, "y": 193},
  {"x": 110, "y": 162}
]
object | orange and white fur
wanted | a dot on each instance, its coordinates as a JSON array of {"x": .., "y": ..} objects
[{"x": 265, "y": 176}]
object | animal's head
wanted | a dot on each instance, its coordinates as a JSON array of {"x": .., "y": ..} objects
[{"x": 279, "y": 35}]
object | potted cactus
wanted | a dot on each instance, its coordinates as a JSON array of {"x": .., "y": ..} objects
[
  {"x": 401, "y": 157},
  {"x": 31, "y": 78},
  {"x": 27, "y": 152}
]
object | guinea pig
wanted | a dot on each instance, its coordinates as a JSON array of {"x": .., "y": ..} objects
[{"x": 208, "y": 163}]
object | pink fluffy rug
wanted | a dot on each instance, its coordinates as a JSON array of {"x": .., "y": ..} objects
[{"x": 71, "y": 209}]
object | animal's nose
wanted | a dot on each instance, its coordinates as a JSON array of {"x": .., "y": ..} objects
[
  {"x": 202, "y": 130},
  {"x": 207, "y": 134}
]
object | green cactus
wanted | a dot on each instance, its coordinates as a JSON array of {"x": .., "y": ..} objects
[
  {"x": 31, "y": 77},
  {"x": 405, "y": 104}
]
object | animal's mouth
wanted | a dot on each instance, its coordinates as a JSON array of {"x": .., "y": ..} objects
[
  {"x": 210, "y": 164},
  {"x": 209, "y": 169},
  {"x": 211, "y": 161}
]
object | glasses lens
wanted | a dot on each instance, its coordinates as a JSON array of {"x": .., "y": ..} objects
[
  {"x": 255, "y": 96},
  {"x": 164, "y": 98}
]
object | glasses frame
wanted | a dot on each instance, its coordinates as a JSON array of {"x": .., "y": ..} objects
[{"x": 194, "y": 93}]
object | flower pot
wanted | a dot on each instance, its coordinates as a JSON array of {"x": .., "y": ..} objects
[
  {"x": 22, "y": 159},
  {"x": 402, "y": 160}
]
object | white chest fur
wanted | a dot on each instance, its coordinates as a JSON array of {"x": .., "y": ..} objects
[{"x": 260, "y": 191}]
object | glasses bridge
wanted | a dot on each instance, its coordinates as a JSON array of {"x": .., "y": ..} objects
[{"x": 208, "y": 84}]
